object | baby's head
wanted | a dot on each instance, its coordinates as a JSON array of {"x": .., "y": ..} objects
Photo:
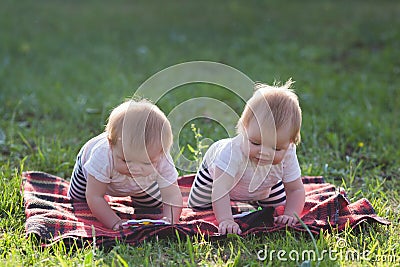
[
  {"x": 139, "y": 133},
  {"x": 271, "y": 117}
]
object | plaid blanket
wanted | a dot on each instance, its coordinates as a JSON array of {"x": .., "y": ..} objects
[{"x": 52, "y": 216}]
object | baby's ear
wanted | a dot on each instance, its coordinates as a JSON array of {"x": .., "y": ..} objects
[{"x": 109, "y": 141}]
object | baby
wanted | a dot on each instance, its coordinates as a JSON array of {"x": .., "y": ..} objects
[
  {"x": 259, "y": 165},
  {"x": 131, "y": 158}
]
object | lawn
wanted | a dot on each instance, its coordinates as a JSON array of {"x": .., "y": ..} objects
[{"x": 65, "y": 64}]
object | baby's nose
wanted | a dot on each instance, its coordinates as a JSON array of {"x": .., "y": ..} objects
[{"x": 267, "y": 152}]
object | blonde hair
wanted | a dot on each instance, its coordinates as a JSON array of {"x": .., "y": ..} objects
[
  {"x": 273, "y": 103},
  {"x": 139, "y": 125}
]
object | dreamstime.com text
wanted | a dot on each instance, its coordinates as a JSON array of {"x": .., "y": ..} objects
[{"x": 329, "y": 254}]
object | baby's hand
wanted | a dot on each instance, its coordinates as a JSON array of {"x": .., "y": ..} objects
[
  {"x": 229, "y": 227},
  {"x": 119, "y": 225},
  {"x": 286, "y": 219}
]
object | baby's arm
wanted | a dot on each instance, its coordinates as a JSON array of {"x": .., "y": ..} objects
[
  {"x": 295, "y": 198},
  {"x": 172, "y": 198},
  {"x": 95, "y": 191},
  {"x": 221, "y": 202}
]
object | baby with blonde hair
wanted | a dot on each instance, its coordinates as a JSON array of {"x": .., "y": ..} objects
[
  {"x": 131, "y": 158},
  {"x": 259, "y": 165}
]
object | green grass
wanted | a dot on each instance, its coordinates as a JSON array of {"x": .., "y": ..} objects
[{"x": 65, "y": 64}]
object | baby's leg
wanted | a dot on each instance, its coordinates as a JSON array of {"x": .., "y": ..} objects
[
  {"x": 77, "y": 186},
  {"x": 151, "y": 198},
  {"x": 277, "y": 196},
  {"x": 200, "y": 193}
]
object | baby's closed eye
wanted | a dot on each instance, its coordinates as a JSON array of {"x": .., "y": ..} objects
[{"x": 255, "y": 143}]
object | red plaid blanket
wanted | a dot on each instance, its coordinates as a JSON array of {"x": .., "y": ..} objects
[{"x": 52, "y": 216}]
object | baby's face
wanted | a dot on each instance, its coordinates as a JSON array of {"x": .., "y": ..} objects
[
  {"x": 262, "y": 149},
  {"x": 138, "y": 164}
]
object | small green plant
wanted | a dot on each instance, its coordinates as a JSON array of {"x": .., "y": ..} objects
[{"x": 200, "y": 148}]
